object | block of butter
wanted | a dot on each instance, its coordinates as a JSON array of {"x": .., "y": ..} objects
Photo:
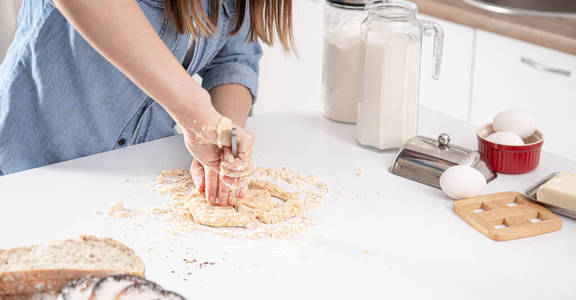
[{"x": 559, "y": 191}]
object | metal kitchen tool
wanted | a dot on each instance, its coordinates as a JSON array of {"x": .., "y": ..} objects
[
  {"x": 234, "y": 148},
  {"x": 424, "y": 159},
  {"x": 531, "y": 194}
]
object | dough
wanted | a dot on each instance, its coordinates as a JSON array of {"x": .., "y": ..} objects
[
  {"x": 257, "y": 205},
  {"x": 189, "y": 211}
]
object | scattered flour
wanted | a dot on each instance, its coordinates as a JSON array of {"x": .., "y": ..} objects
[{"x": 261, "y": 214}]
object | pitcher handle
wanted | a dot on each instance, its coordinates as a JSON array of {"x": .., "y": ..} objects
[{"x": 438, "y": 45}]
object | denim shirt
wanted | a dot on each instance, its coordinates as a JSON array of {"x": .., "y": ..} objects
[{"x": 60, "y": 99}]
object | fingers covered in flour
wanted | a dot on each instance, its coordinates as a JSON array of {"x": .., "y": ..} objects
[
  {"x": 227, "y": 194},
  {"x": 242, "y": 164},
  {"x": 197, "y": 173},
  {"x": 211, "y": 185}
]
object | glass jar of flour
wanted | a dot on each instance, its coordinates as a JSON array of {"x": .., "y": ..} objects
[
  {"x": 342, "y": 29},
  {"x": 390, "y": 73}
]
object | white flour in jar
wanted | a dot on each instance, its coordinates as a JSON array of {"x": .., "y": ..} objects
[
  {"x": 388, "y": 105},
  {"x": 342, "y": 46}
]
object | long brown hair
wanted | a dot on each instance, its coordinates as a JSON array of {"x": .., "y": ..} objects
[{"x": 268, "y": 19}]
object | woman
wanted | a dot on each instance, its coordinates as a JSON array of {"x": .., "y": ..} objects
[{"x": 83, "y": 77}]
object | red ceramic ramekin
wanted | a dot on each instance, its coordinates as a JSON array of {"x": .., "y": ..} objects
[{"x": 511, "y": 159}]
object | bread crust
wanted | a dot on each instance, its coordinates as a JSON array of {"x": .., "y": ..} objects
[
  {"x": 36, "y": 296},
  {"x": 48, "y": 280}
]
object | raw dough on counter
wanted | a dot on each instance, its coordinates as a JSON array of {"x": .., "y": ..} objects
[
  {"x": 256, "y": 203},
  {"x": 258, "y": 212},
  {"x": 256, "y": 206}
]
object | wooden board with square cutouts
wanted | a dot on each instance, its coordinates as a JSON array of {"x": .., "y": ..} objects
[{"x": 507, "y": 216}]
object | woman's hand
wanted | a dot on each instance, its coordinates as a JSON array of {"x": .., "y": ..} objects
[
  {"x": 233, "y": 175},
  {"x": 214, "y": 169}
]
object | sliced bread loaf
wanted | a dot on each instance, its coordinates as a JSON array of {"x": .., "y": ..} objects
[
  {"x": 50, "y": 267},
  {"x": 111, "y": 286},
  {"x": 115, "y": 287},
  {"x": 79, "y": 289},
  {"x": 145, "y": 291}
]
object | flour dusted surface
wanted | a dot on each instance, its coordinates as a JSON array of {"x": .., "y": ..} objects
[{"x": 273, "y": 206}]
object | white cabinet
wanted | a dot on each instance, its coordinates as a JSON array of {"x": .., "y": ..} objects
[
  {"x": 451, "y": 93},
  {"x": 482, "y": 74},
  {"x": 503, "y": 81}
]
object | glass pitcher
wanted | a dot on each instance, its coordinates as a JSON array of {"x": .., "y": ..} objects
[{"x": 390, "y": 73}]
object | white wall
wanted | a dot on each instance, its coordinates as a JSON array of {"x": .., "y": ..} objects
[
  {"x": 287, "y": 81},
  {"x": 8, "y": 14}
]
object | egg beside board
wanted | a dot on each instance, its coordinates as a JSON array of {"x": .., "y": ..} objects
[{"x": 459, "y": 182}]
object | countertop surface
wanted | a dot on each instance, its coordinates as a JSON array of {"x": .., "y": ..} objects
[
  {"x": 377, "y": 235},
  {"x": 555, "y": 33}
]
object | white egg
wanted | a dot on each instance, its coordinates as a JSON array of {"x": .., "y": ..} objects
[
  {"x": 460, "y": 182},
  {"x": 505, "y": 138},
  {"x": 519, "y": 122}
]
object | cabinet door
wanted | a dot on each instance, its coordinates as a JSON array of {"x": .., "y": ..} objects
[
  {"x": 509, "y": 74},
  {"x": 288, "y": 81},
  {"x": 451, "y": 93}
]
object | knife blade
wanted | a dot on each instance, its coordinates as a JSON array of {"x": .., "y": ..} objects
[{"x": 234, "y": 148}]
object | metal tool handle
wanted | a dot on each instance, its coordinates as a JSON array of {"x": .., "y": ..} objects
[
  {"x": 234, "y": 148},
  {"x": 234, "y": 143},
  {"x": 542, "y": 67}
]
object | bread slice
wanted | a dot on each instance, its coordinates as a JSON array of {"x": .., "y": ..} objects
[{"x": 50, "y": 267}]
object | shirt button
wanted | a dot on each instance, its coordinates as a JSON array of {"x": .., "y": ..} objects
[{"x": 122, "y": 142}]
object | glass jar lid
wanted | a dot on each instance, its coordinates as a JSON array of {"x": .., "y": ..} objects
[
  {"x": 397, "y": 9},
  {"x": 351, "y": 3}
]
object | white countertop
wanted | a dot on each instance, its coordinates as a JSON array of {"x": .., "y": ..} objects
[{"x": 405, "y": 243}]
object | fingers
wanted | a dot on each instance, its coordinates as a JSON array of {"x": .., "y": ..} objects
[
  {"x": 233, "y": 199},
  {"x": 238, "y": 166},
  {"x": 230, "y": 189},
  {"x": 238, "y": 183},
  {"x": 245, "y": 145},
  {"x": 211, "y": 185},
  {"x": 235, "y": 173},
  {"x": 228, "y": 157},
  {"x": 231, "y": 173},
  {"x": 228, "y": 195},
  {"x": 217, "y": 172},
  {"x": 197, "y": 173},
  {"x": 223, "y": 191}
]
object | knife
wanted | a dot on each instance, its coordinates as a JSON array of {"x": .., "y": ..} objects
[{"x": 234, "y": 146}]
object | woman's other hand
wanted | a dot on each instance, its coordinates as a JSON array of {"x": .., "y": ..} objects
[
  {"x": 215, "y": 171},
  {"x": 233, "y": 174}
]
